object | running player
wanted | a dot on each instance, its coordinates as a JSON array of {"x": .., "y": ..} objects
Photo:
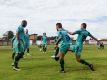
[
  {"x": 44, "y": 43},
  {"x": 64, "y": 44},
  {"x": 19, "y": 44},
  {"x": 27, "y": 40},
  {"x": 78, "y": 47}
]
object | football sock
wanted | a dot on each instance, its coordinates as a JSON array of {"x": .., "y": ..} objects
[
  {"x": 84, "y": 62},
  {"x": 62, "y": 64},
  {"x": 13, "y": 55},
  {"x": 57, "y": 51},
  {"x": 56, "y": 58}
]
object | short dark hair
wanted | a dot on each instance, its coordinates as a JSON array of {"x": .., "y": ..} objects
[
  {"x": 59, "y": 25},
  {"x": 24, "y": 21},
  {"x": 84, "y": 25}
]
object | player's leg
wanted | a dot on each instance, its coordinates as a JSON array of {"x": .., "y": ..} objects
[
  {"x": 13, "y": 55},
  {"x": 82, "y": 61},
  {"x": 56, "y": 51},
  {"x": 43, "y": 48},
  {"x": 40, "y": 46},
  {"x": 61, "y": 58},
  {"x": 27, "y": 50},
  {"x": 16, "y": 61},
  {"x": 62, "y": 51}
]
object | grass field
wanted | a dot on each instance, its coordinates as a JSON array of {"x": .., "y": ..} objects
[{"x": 40, "y": 66}]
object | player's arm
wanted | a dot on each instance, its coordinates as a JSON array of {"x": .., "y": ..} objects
[
  {"x": 94, "y": 37},
  {"x": 71, "y": 33}
]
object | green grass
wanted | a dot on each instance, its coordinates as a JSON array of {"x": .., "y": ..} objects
[{"x": 41, "y": 67}]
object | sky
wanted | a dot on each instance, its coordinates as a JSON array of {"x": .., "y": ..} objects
[{"x": 42, "y": 15}]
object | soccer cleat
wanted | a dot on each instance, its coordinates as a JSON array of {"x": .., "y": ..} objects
[
  {"x": 62, "y": 71},
  {"x": 40, "y": 50},
  {"x": 56, "y": 58},
  {"x": 12, "y": 64},
  {"x": 28, "y": 54},
  {"x": 16, "y": 68},
  {"x": 91, "y": 67},
  {"x": 53, "y": 56}
]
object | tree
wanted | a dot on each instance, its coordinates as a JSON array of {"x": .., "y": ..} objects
[{"x": 8, "y": 35}]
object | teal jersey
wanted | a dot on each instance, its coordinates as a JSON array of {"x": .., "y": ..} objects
[
  {"x": 82, "y": 35},
  {"x": 44, "y": 40},
  {"x": 21, "y": 32},
  {"x": 19, "y": 49},
  {"x": 27, "y": 38},
  {"x": 65, "y": 37}
]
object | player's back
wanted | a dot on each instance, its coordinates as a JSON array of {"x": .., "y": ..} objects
[
  {"x": 44, "y": 39},
  {"x": 21, "y": 32},
  {"x": 65, "y": 36},
  {"x": 82, "y": 35}
]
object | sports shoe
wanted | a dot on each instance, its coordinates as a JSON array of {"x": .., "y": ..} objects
[
  {"x": 56, "y": 58},
  {"x": 91, "y": 67},
  {"x": 62, "y": 71},
  {"x": 53, "y": 56},
  {"x": 28, "y": 54},
  {"x": 12, "y": 64},
  {"x": 16, "y": 68}
]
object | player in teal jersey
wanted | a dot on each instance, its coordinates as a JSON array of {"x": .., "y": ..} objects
[
  {"x": 77, "y": 48},
  {"x": 44, "y": 42},
  {"x": 64, "y": 44},
  {"x": 19, "y": 44},
  {"x": 27, "y": 40}
]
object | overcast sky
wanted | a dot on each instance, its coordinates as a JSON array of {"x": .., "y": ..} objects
[{"x": 42, "y": 15}]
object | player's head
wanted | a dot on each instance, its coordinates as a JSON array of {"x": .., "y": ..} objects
[
  {"x": 24, "y": 23},
  {"x": 83, "y": 26},
  {"x": 26, "y": 31},
  {"x": 44, "y": 34},
  {"x": 58, "y": 26}
]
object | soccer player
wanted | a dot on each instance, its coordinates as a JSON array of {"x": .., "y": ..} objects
[
  {"x": 64, "y": 44},
  {"x": 78, "y": 47},
  {"x": 19, "y": 44},
  {"x": 27, "y": 40},
  {"x": 44, "y": 42}
]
